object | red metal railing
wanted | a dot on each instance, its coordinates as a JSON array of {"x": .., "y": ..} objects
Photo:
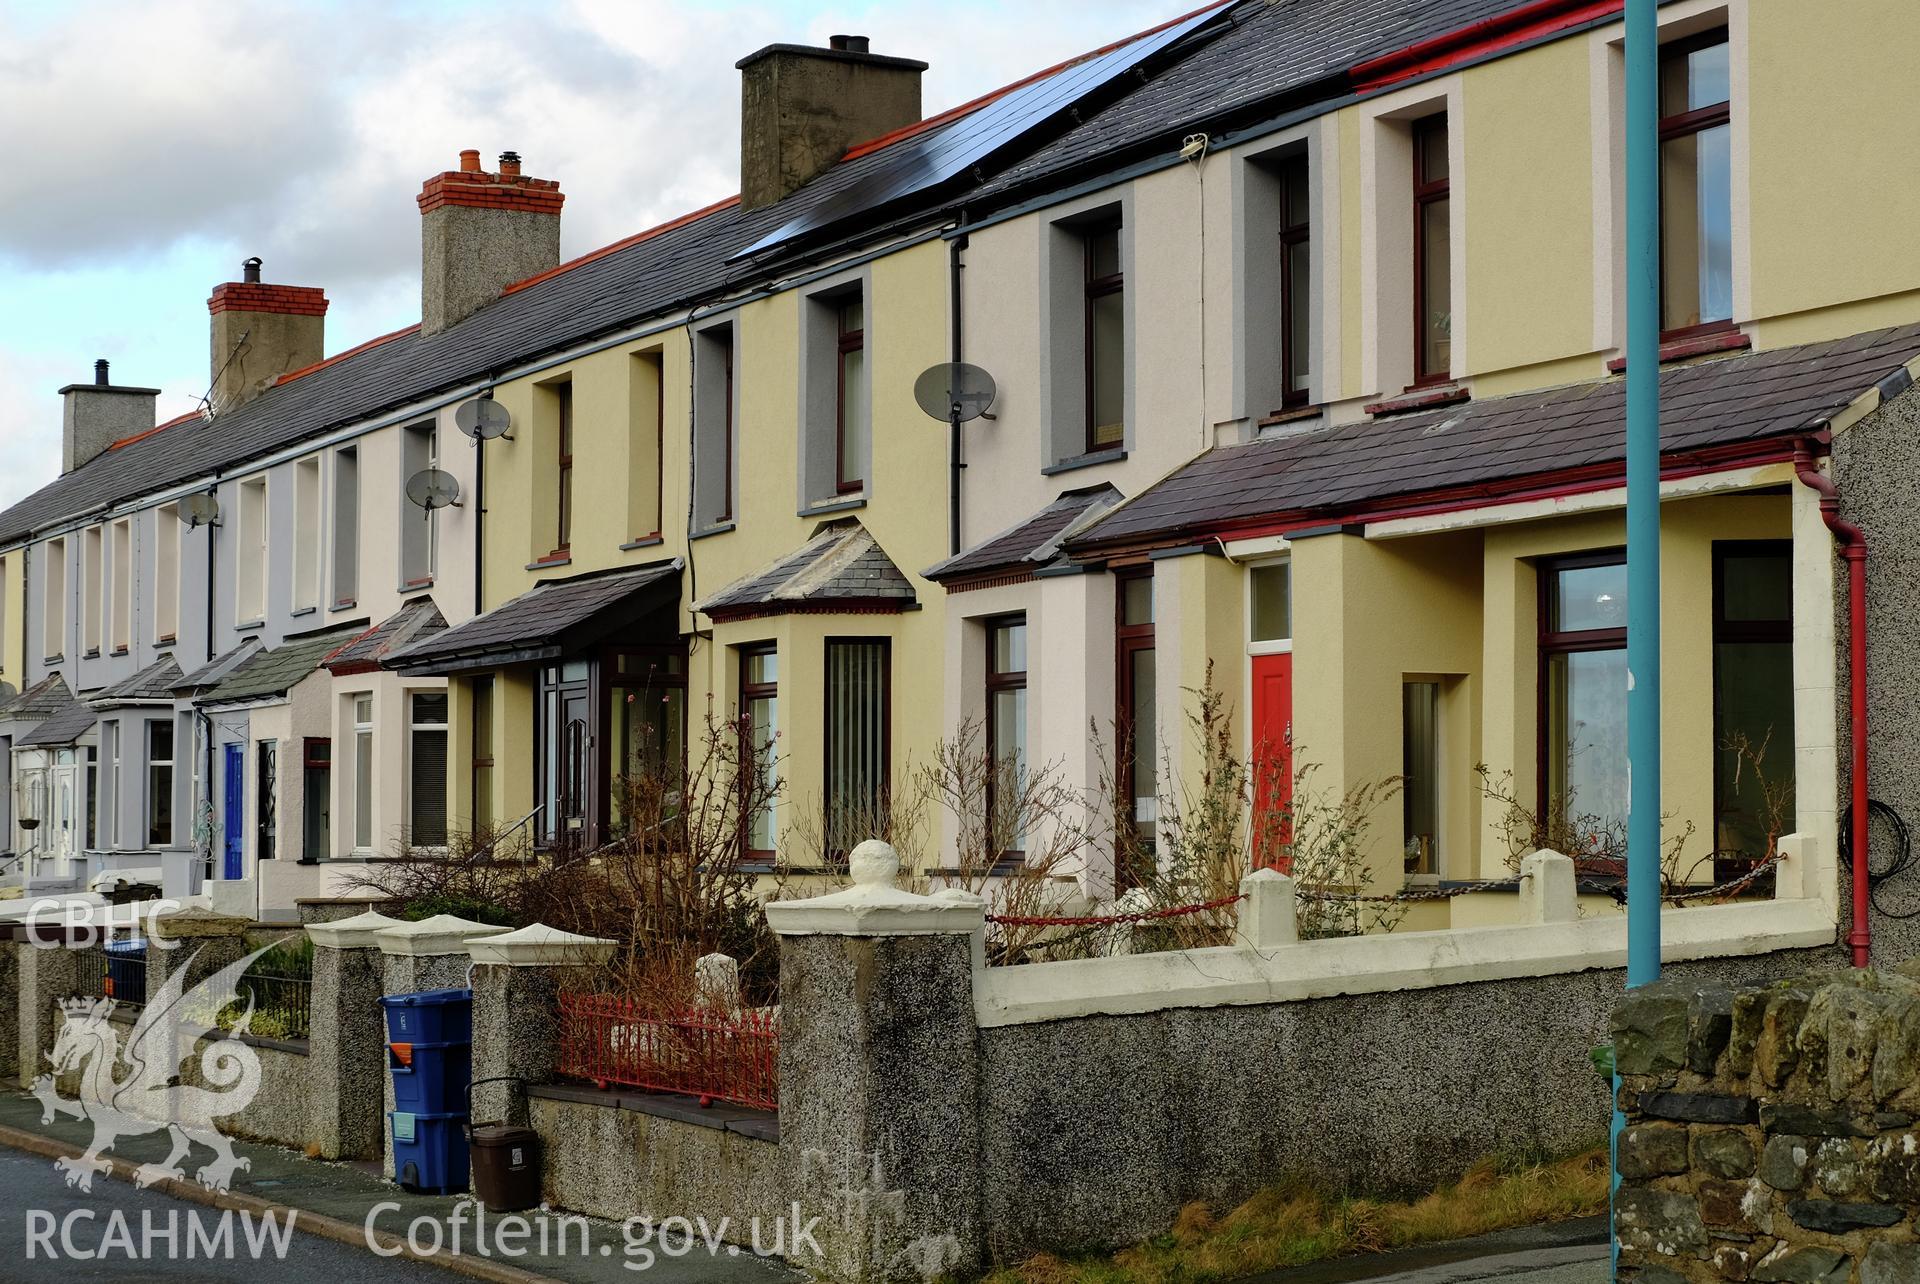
[{"x": 710, "y": 1055}]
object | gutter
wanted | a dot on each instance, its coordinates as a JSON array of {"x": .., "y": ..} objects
[{"x": 1852, "y": 541}]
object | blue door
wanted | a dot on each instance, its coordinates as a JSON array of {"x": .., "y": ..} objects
[{"x": 236, "y": 807}]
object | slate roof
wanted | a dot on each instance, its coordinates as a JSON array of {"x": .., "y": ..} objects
[
  {"x": 841, "y": 563},
  {"x": 417, "y": 619},
  {"x": 549, "y": 619},
  {"x": 1328, "y": 471},
  {"x": 219, "y": 667},
  {"x": 62, "y": 726},
  {"x": 1032, "y": 542},
  {"x": 47, "y": 696},
  {"x": 277, "y": 671},
  {"x": 155, "y": 682}
]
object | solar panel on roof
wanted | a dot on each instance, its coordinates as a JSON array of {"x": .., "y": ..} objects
[{"x": 924, "y": 162}]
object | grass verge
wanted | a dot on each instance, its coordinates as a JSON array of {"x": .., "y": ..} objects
[{"x": 1295, "y": 1225}]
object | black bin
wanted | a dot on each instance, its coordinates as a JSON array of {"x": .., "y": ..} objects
[{"x": 504, "y": 1162}]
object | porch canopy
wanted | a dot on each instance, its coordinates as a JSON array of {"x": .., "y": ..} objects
[
  {"x": 842, "y": 568},
  {"x": 154, "y": 684},
  {"x": 1031, "y": 544},
  {"x": 270, "y": 674},
  {"x": 61, "y": 727},
  {"x": 415, "y": 620},
  {"x": 551, "y": 619}
]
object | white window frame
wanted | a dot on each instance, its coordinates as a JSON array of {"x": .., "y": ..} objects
[
  {"x": 54, "y": 597},
  {"x": 414, "y": 728},
  {"x": 250, "y": 553},
  {"x": 120, "y": 571},
  {"x": 166, "y": 573},
  {"x": 310, "y": 523},
  {"x": 93, "y": 589},
  {"x": 361, "y": 740},
  {"x": 1271, "y": 646}
]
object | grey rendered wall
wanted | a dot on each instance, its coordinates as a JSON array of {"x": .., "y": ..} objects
[{"x": 1877, "y": 468}]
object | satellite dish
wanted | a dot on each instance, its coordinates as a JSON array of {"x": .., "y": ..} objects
[
  {"x": 432, "y": 488},
  {"x": 482, "y": 419},
  {"x": 954, "y": 391},
  {"x": 200, "y": 510}
]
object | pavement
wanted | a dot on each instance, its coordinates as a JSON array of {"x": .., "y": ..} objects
[
  {"x": 331, "y": 1206},
  {"x": 1570, "y": 1252}
]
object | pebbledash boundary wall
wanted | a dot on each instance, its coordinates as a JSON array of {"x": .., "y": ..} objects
[
  {"x": 938, "y": 1116},
  {"x": 1773, "y": 1131}
]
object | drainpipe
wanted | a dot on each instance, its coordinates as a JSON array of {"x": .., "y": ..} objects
[
  {"x": 954, "y": 462},
  {"x": 1853, "y": 547}
]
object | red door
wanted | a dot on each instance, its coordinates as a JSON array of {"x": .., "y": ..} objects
[{"x": 1272, "y": 755}]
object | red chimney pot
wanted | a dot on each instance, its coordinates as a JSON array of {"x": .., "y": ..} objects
[{"x": 470, "y": 160}]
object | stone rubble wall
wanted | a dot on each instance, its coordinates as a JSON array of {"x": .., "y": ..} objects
[{"x": 1772, "y": 1131}]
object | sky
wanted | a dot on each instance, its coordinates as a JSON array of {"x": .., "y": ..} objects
[{"x": 155, "y": 144}]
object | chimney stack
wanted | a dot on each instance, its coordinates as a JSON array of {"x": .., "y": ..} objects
[
  {"x": 261, "y": 332},
  {"x": 481, "y": 232},
  {"x": 95, "y": 415},
  {"x": 801, "y": 108}
]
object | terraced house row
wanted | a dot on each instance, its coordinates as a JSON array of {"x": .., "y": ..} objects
[{"x": 1305, "y": 321}]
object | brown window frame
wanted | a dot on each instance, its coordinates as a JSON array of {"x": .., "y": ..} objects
[
  {"x": 749, "y": 692},
  {"x": 1129, "y": 639},
  {"x": 1093, "y": 289},
  {"x": 1292, "y": 172},
  {"x": 563, "y": 456},
  {"x": 1425, "y": 192},
  {"x": 998, "y": 681},
  {"x": 1551, "y": 642},
  {"x": 1682, "y": 125},
  {"x": 849, "y": 342}
]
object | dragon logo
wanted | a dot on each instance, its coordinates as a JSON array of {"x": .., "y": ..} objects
[{"x": 133, "y": 1085}]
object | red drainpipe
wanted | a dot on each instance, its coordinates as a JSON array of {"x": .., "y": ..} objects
[{"x": 1853, "y": 547}]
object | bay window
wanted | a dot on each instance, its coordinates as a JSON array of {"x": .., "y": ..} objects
[
  {"x": 363, "y": 773},
  {"x": 859, "y": 709},
  {"x": 160, "y": 783},
  {"x": 1006, "y": 728},
  {"x": 760, "y": 714}
]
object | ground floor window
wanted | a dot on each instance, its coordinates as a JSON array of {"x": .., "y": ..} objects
[
  {"x": 859, "y": 716},
  {"x": 427, "y": 769},
  {"x": 1752, "y": 700},
  {"x": 316, "y": 801},
  {"x": 160, "y": 783},
  {"x": 109, "y": 802},
  {"x": 363, "y": 773},
  {"x": 1420, "y": 774},
  {"x": 1138, "y": 759},
  {"x": 647, "y": 719},
  {"x": 266, "y": 820},
  {"x": 1006, "y": 731},
  {"x": 760, "y": 731},
  {"x": 1583, "y": 690},
  {"x": 482, "y": 754}
]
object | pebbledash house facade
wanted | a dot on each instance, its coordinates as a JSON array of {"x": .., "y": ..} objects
[{"x": 1305, "y": 323}]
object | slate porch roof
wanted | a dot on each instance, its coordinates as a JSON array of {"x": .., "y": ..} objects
[
  {"x": 1486, "y": 445},
  {"x": 47, "y": 696},
  {"x": 155, "y": 682},
  {"x": 1034, "y": 541},
  {"x": 210, "y": 673},
  {"x": 276, "y": 671},
  {"x": 415, "y": 620},
  {"x": 62, "y": 726},
  {"x": 841, "y": 565},
  {"x": 553, "y": 618}
]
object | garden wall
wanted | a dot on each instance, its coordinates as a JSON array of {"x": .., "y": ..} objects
[{"x": 1773, "y": 1132}]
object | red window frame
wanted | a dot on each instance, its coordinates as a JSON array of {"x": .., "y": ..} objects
[
  {"x": 850, "y": 342},
  {"x": 1293, "y": 181},
  {"x": 1095, "y": 288},
  {"x": 1552, "y": 642},
  {"x": 1426, "y": 191},
  {"x": 1682, "y": 125}
]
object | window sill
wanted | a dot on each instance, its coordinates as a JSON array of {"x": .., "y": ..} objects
[
  {"x": 244, "y": 625},
  {"x": 721, "y": 529},
  {"x": 654, "y": 540},
  {"x": 344, "y": 604},
  {"x": 58, "y": 657},
  {"x": 550, "y": 561},
  {"x": 843, "y": 505},
  {"x": 166, "y": 639},
  {"x": 1093, "y": 460},
  {"x": 1420, "y": 399},
  {"x": 91, "y": 653},
  {"x": 119, "y": 650},
  {"x": 299, "y": 611},
  {"x": 1694, "y": 345},
  {"x": 414, "y": 586},
  {"x": 1290, "y": 415}
]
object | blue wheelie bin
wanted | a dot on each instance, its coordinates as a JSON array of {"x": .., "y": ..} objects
[{"x": 430, "y": 1059}]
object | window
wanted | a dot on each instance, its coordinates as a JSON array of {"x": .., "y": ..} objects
[
  {"x": 53, "y": 616},
  {"x": 1420, "y": 774},
  {"x": 1296, "y": 282},
  {"x": 1752, "y": 700},
  {"x": 713, "y": 426},
  {"x": 363, "y": 773},
  {"x": 648, "y": 724},
  {"x": 166, "y": 573},
  {"x": 160, "y": 783},
  {"x": 419, "y": 527},
  {"x": 110, "y": 784},
  {"x": 1270, "y": 591},
  {"x": 1006, "y": 728},
  {"x": 92, "y": 591},
  {"x": 120, "y": 630},
  {"x": 1583, "y": 687},
  {"x": 427, "y": 770},
  {"x": 648, "y": 443},
  {"x": 1105, "y": 336},
  {"x": 91, "y": 758},
  {"x": 852, "y": 423},
  {"x": 250, "y": 551},
  {"x": 1696, "y": 186},
  {"x": 760, "y": 708},
  {"x": 346, "y": 526},
  {"x": 266, "y": 799},
  {"x": 482, "y": 753},
  {"x": 316, "y": 798},
  {"x": 306, "y": 521},
  {"x": 1139, "y": 759},
  {"x": 1432, "y": 253},
  {"x": 859, "y": 717},
  {"x": 563, "y": 467}
]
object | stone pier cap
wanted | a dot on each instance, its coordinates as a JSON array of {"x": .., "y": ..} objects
[{"x": 876, "y": 906}]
